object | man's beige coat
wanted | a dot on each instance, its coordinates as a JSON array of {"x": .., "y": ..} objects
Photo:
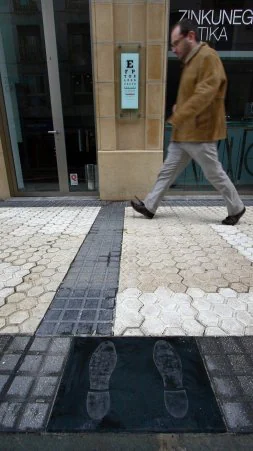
[{"x": 200, "y": 110}]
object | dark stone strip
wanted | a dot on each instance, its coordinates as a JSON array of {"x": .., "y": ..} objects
[
  {"x": 229, "y": 362},
  {"x": 62, "y": 202},
  {"x": 85, "y": 301}
]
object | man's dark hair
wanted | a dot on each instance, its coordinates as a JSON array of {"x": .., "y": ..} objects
[{"x": 187, "y": 25}]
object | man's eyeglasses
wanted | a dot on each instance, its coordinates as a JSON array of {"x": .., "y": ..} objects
[{"x": 175, "y": 43}]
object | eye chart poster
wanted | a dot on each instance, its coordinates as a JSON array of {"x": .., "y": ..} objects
[{"x": 130, "y": 81}]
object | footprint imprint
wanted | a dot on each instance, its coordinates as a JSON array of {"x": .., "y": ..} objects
[
  {"x": 169, "y": 366},
  {"x": 101, "y": 366}
]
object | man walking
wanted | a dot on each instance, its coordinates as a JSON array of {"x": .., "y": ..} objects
[{"x": 198, "y": 122}]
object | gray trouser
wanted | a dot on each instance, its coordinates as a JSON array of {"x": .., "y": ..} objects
[{"x": 205, "y": 154}]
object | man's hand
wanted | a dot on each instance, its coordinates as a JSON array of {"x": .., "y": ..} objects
[{"x": 173, "y": 111}]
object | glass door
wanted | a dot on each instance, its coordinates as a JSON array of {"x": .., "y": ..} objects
[
  {"x": 26, "y": 97},
  {"x": 72, "y": 27}
]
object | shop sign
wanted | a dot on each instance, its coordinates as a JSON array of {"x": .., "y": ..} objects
[
  {"x": 215, "y": 24},
  {"x": 129, "y": 81}
]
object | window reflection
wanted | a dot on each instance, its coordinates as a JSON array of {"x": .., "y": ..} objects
[
  {"x": 30, "y": 43},
  {"x": 23, "y": 6}
]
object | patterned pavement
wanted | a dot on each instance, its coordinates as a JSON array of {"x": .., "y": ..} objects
[{"x": 182, "y": 273}]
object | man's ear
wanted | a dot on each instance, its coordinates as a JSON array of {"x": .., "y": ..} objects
[{"x": 192, "y": 35}]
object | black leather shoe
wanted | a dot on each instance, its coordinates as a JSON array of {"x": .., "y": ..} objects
[
  {"x": 140, "y": 208},
  {"x": 233, "y": 219},
  {"x": 140, "y": 201}
]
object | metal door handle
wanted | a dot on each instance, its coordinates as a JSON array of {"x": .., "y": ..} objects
[{"x": 53, "y": 132}]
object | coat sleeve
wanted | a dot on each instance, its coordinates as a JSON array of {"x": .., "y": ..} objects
[{"x": 209, "y": 81}]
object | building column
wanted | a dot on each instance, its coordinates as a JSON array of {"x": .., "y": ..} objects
[{"x": 130, "y": 148}]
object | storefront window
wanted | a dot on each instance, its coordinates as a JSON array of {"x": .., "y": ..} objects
[{"x": 228, "y": 27}]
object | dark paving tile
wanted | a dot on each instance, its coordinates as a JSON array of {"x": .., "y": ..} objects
[
  {"x": 59, "y": 346},
  {"x": 227, "y": 387},
  {"x": 31, "y": 363},
  {"x": 40, "y": 344},
  {"x": 209, "y": 345},
  {"x": 240, "y": 364},
  {"x": 3, "y": 380},
  {"x": 91, "y": 303},
  {"x": 85, "y": 329},
  {"x": 217, "y": 365},
  {"x": 246, "y": 383},
  {"x": 247, "y": 344},
  {"x": 70, "y": 315},
  {"x": 52, "y": 364},
  {"x": 9, "y": 361},
  {"x": 34, "y": 417},
  {"x": 47, "y": 328},
  {"x": 67, "y": 328},
  {"x": 9, "y": 413},
  {"x": 19, "y": 344},
  {"x": 53, "y": 314},
  {"x": 105, "y": 315},
  {"x": 45, "y": 386},
  {"x": 237, "y": 416},
  {"x": 88, "y": 315},
  {"x": 106, "y": 387},
  {"x": 232, "y": 345},
  {"x": 108, "y": 303},
  {"x": 4, "y": 341},
  {"x": 76, "y": 303},
  {"x": 104, "y": 329},
  {"x": 20, "y": 386}
]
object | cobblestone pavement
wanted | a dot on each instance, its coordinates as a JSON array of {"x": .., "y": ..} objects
[
  {"x": 185, "y": 274},
  {"x": 37, "y": 246}
]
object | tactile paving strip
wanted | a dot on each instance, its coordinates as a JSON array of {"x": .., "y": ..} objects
[{"x": 85, "y": 301}]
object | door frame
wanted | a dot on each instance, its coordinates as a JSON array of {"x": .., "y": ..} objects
[{"x": 49, "y": 30}]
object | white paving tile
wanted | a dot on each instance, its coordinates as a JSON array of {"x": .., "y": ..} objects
[{"x": 214, "y": 332}]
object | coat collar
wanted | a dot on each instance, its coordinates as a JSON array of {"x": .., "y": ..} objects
[{"x": 193, "y": 52}]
